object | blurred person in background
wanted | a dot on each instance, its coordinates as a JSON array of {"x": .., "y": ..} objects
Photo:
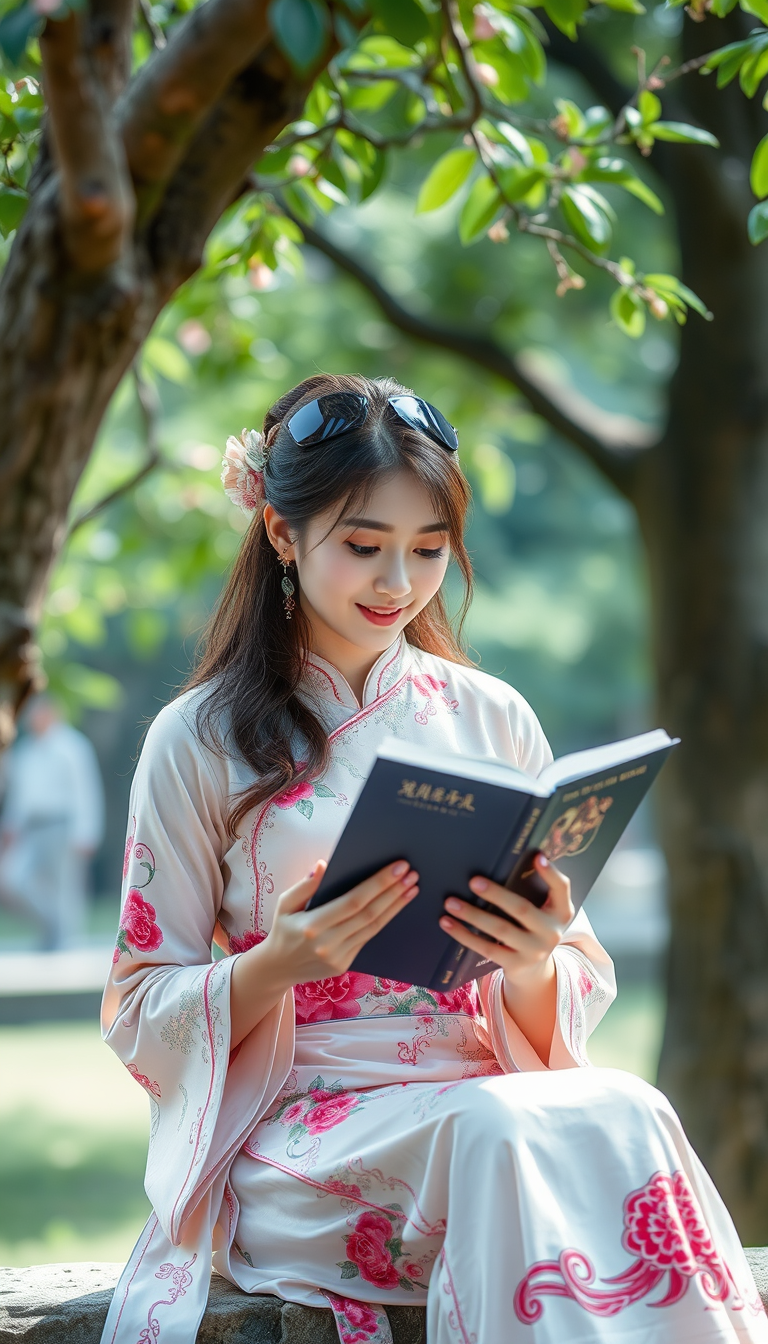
[{"x": 51, "y": 824}]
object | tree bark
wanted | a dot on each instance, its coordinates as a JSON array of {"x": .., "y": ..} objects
[
  {"x": 702, "y": 499},
  {"x": 83, "y": 287}
]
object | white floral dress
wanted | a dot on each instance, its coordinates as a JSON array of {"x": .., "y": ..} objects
[{"x": 374, "y": 1143}]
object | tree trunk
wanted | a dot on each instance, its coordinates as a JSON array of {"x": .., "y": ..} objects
[{"x": 702, "y": 499}]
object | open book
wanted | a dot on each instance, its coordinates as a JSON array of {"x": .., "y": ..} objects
[{"x": 453, "y": 817}]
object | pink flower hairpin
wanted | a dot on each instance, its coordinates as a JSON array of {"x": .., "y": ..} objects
[{"x": 242, "y": 472}]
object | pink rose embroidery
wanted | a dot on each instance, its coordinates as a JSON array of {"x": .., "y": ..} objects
[
  {"x": 356, "y": 1321},
  {"x": 295, "y": 794},
  {"x": 138, "y": 924},
  {"x": 412, "y": 1270},
  {"x": 241, "y": 943},
  {"x": 393, "y": 986},
  {"x": 293, "y": 1113},
  {"x": 323, "y": 1000},
  {"x": 664, "y": 1228},
  {"x": 144, "y": 1081},
  {"x": 367, "y": 1249},
  {"x": 330, "y": 1110}
]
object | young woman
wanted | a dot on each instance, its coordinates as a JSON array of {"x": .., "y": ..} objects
[{"x": 341, "y": 1140}]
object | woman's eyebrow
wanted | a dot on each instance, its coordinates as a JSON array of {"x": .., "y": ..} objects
[{"x": 373, "y": 526}]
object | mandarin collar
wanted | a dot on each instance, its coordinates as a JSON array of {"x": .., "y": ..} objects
[{"x": 326, "y": 682}]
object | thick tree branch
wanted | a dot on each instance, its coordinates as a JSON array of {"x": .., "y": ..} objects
[
  {"x": 612, "y": 442},
  {"x": 174, "y": 92},
  {"x": 149, "y": 405},
  {"x": 260, "y": 102},
  {"x": 96, "y": 203},
  {"x": 108, "y": 42}
]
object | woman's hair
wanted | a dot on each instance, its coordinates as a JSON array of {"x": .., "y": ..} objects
[{"x": 252, "y": 658}]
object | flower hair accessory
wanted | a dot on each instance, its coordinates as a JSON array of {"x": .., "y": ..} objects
[{"x": 242, "y": 472}]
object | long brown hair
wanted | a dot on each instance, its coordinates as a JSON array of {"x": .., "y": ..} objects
[{"x": 251, "y": 658}]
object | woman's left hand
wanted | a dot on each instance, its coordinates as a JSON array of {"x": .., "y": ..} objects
[{"x": 522, "y": 950}]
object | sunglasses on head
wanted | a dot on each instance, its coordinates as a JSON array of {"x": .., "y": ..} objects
[{"x": 339, "y": 412}]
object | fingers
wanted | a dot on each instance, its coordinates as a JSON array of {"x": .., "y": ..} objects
[
  {"x": 363, "y": 926},
  {"x": 297, "y": 896},
  {"x": 471, "y": 940},
  {"x": 356, "y": 901},
  {"x": 559, "y": 901},
  {"x": 494, "y": 926}
]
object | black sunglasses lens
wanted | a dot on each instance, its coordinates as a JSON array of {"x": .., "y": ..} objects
[
  {"x": 327, "y": 417},
  {"x": 420, "y": 415}
]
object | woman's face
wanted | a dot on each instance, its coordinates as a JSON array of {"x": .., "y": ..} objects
[{"x": 363, "y": 578}]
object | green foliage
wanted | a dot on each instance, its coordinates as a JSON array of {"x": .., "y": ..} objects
[
  {"x": 448, "y": 174},
  {"x": 757, "y": 224},
  {"x": 301, "y": 29}
]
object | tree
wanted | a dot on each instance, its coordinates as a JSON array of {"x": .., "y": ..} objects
[{"x": 124, "y": 188}]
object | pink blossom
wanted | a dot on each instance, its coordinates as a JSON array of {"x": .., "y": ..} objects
[
  {"x": 331, "y": 1108},
  {"x": 461, "y": 1000},
  {"x": 295, "y": 794},
  {"x": 413, "y": 1271},
  {"x": 324, "y": 1000},
  {"x": 139, "y": 924},
  {"x": 115, "y": 956},
  {"x": 395, "y": 986},
  {"x": 663, "y": 1224},
  {"x": 427, "y": 684},
  {"x": 364, "y": 1320},
  {"x": 367, "y": 1249},
  {"x": 241, "y": 943},
  {"x": 292, "y": 1113}
]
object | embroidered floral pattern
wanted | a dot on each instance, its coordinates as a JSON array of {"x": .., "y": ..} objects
[
  {"x": 433, "y": 689},
  {"x": 138, "y": 926},
  {"x": 181, "y": 1279},
  {"x": 355, "y": 995},
  {"x": 375, "y": 1246},
  {"x": 300, "y": 795},
  {"x": 359, "y": 1323},
  {"x": 143, "y": 1081},
  {"x": 242, "y": 942},
  {"x": 315, "y": 1111},
  {"x": 664, "y": 1228},
  {"x": 138, "y": 921}
]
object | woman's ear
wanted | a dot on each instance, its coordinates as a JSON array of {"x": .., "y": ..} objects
[{"x": 278, "y": 532}]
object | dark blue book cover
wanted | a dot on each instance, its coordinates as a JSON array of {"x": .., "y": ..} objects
[{"x": 453, "y": 818}]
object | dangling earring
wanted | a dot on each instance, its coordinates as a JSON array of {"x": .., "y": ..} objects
[{"x": 287, "y": 587}]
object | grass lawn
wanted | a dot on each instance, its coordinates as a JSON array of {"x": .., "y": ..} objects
[{"x": 73, "y": 1128}]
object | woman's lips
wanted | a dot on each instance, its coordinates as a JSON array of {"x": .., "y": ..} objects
[{"x": 387, "y": 617}]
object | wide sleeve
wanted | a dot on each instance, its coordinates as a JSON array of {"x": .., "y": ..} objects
[
  {"x": 166, "y": 1010},
  {"x": 586, "y": 983}
]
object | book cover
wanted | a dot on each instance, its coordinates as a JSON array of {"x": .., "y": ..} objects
[{"x": 453, "y": 818}]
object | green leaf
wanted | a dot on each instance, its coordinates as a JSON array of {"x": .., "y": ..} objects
[
  {"x": 479, "y": 209},
  {"x": 649, "y": 107},
  {"x": 670, "y": 288},
  {"x": 757, "y": 7},
  {"x": 322, "y": 791},
  {"x": 17, "y": 27},
  {"x": 720, "y": 8},
  {"x": 300, "y": 29},
  {"x": 753, "y": 68},
  {"x": 13, "y": 205},
  {"x": 348, "y": 1269},
  {"x": 404, "y": 19},
  {"x": 164, "y": 357},
  {"x": 758, "y": 174},
  {"x": 685, "y": 135},
  {"x": 517, "y": 141},
  {"x": 516, "y": 182},
  {"x": 589, "y": 216},
  {"x": 727, "y": 61},
  {"x": 626, "y": 6},
  {"x": 615, "y": 170},
  {"x": 446, "y": 176},
  {"x": 575, "y": 121},
  {"x": 598, "y": 120},
  {"x": 566, "y": 14},
  {"x": 628, "y": 312},
  {"x": 305, "y": 808},
  {"x": 757, "y": 224}
]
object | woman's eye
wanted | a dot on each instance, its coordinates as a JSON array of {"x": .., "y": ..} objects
[
  {"x": 362, "y": 550},
  {"x": 431, "y": 555}
]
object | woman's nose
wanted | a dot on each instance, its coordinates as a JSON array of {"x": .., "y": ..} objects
[{"x": 393, "y": 581}]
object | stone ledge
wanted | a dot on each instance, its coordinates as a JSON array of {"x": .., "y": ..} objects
[{"x": 50, "y": 1303}]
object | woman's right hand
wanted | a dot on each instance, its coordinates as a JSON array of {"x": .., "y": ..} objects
[
  {"x": 307, "y": 945},
  {"x": 313, "y": 944}
]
